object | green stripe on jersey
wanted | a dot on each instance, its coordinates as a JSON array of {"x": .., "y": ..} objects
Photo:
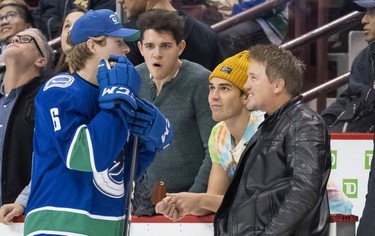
[
  {"x": 80, "y": 152},
  {"x": 68, "y": 223}
]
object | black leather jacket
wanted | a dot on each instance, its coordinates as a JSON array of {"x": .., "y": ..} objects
[{"x": 279, "y": 187}]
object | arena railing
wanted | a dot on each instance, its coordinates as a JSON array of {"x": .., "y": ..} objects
[
  {"x": 328, "y": 29},
  {"x": 336, "y": 26},
  {"x": 55, "y": 43},
  {"x": 325, "y": 87},
  {"x": 249, "y": 14}
]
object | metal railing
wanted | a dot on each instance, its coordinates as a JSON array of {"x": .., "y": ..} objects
[
  {"x": 55, "y": 43},
  {"x": 249, "y": 14},
  {"x": 331, "y": 28},
  {"x": 326, "y": 87}
]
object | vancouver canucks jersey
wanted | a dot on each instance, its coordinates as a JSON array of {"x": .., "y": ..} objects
[{"x": 80, "y": 156}]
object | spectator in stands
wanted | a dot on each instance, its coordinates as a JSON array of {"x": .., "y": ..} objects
[
  {"x": 179, "y": 88},
  {"x": 11, "y": 210},
  {"x": 353, "y": 110},
  {"x": 88, "y": 143},
  {"x": 202, "y": 45},
  {"x": 72, "y": 16},
  {"x": 366, "y": 223},
  {"x": 271, "y": 27},
  {"x": 224, "y": 6},
  {"x": 15, "y": 16},
  {"x": 28, "y": 59},
  {"x": 49, "y": 14},
  {"x": 283, "y": 172},
  {"x": 360, "y": 81},
  {"x": 227, "y": 141}
]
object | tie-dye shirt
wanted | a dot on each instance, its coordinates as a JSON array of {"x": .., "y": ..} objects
[{"x": 220, "y": 143}]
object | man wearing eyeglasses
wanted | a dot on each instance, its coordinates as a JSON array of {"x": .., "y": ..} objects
[
  {"x": 28, "y": 59},
  {"x": 15, "y": 16},
  {"x": 25, "y": 39}
]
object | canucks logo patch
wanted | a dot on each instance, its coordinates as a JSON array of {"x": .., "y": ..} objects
[
  {"x": 59, "y": 81},
  {"x": 115, "y": 19},
  {"x": 226, "y": 69},
  {"x": 111, "y": 181}
]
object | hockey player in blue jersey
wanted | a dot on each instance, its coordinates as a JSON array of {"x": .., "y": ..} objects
[{"x": 85, "y": 123}]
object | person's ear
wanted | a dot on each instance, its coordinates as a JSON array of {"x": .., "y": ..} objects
[
  {"x": 91, "y": 45},
  {"x": 140, "y": 47},
  {"x": 279, "y": 85},
  {"x": 41, "y": 62},
  {"x": 181, "y": 47}
]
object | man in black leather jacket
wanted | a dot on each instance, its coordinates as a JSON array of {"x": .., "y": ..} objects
[{"x": 279, "y": 187}]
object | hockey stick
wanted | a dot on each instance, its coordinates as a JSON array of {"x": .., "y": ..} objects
[
  {"x": 111, "y": 62},
  {"x": 129, "y": 188}
]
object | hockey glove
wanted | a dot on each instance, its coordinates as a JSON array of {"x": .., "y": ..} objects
[
  {"x": 151, "y": 126},
  {"x": 118, "y": 84}
]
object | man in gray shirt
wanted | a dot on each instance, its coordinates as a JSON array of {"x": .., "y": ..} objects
[{"x": 179, "y": 88}]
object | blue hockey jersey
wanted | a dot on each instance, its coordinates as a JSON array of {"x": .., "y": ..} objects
[{"x": 81, "y": 160}]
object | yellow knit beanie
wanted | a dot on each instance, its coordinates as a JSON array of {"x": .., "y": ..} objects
[{"x": 233, "y": 69}]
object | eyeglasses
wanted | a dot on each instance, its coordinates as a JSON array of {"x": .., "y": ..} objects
[
  {"x": 9, "y": 17},
  {"x": 24, "y": 39}
]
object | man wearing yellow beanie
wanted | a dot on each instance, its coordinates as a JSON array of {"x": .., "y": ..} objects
[{"x": 227, "y": 99}]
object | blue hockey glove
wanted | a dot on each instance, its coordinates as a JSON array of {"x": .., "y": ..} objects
[
  {"x": 118, "y": 84},
  {"x": 151, "y": 126}
]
